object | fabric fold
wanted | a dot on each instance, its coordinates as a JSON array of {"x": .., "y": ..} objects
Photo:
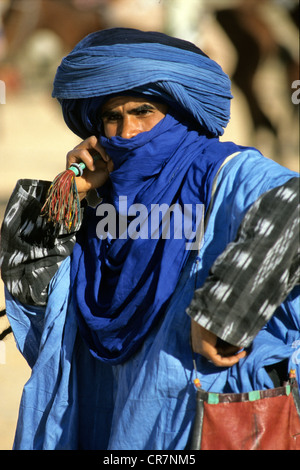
[{"x": 123, "y": 284}]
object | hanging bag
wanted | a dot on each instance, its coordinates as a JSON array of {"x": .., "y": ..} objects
[{"x": 258, "y": 420}]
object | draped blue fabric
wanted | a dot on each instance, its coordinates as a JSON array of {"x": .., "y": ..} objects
[
  {"x": 74, "y": 401},
  {"x": 121, "y": 59},
  {"x": 123, "y": 285}
]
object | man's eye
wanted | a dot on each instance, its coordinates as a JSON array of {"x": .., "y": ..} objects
[
  {"x": 144, "y": 110},
  {"x": 110, "y": 117},
  {"x": 113, "y": 117}
]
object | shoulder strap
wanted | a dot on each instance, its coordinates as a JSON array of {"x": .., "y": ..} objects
[{"x": 214, "y": 186}]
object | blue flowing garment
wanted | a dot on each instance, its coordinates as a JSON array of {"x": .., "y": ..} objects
[
  {"x": 123, "y": 285},
  {"x": 74, "y": 401}
]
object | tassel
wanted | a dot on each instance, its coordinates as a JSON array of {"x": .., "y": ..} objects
[{"x": 62, "y": 206}]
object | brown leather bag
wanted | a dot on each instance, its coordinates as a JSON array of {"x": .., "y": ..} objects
[{"x": 258, "y": 420}]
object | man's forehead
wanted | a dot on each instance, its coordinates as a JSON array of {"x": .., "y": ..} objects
[{"x": 128, "y": 101}]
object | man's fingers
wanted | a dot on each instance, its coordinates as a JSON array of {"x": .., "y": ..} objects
[
  {"x": 227, "y": 361},
  {"x": 80, "y": 155},
  {"x": 217, "y": 351},
  {"x": 85, "y": 151}
]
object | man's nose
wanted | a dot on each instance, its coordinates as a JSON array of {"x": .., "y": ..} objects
[{"x": 129, "y": 127}]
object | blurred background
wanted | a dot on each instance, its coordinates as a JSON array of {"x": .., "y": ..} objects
[{"x": 255, "y": 41}]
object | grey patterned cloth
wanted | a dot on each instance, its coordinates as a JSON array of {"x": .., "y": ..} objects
[
  {"x": 254, "y": 275},
  {"x": 29, "y": 255}
]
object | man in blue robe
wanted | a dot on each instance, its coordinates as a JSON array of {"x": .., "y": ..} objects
[{"x": 105, "y": 322}]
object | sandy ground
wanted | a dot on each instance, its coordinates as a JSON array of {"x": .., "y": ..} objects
[{"x": 33, "y": 144}]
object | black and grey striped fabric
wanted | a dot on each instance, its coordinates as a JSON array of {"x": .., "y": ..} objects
[
  {"x": 254, "y": 275},
  {"x": 29, "y": 254}
]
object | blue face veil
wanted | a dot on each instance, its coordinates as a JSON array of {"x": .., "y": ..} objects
[{"x": 122, "y": 283}]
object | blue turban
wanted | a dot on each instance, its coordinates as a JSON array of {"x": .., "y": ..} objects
[{"x": 120, "y": 59}]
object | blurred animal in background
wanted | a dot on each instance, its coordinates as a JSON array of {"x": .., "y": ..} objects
[
  {"x": 36, "y": 33},
  {"x": 253, "y": 33},
  {"x": 70, "y": 20}
]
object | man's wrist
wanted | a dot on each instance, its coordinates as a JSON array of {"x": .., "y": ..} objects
[{"x": 82, "y": 196}]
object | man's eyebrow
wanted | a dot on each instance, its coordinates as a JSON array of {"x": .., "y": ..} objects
[
  {"x": 108, "y": 112},
  {"x": 140, "y": 107}
]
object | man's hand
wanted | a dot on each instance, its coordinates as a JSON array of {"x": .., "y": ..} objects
[
  {"x": 206, "y": 343},
  {"x": 96, "y": 173}
]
